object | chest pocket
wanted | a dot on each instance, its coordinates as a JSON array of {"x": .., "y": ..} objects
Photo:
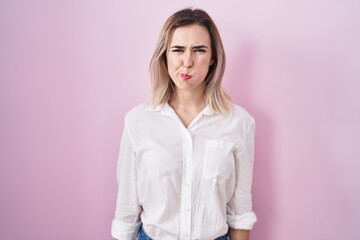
[{"x": 218, "y": 159}]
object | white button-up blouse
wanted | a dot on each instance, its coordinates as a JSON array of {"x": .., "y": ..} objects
[{"x": 184, "y": 183}]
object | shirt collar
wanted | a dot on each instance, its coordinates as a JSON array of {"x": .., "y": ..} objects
[
  {"x": 208, "y": 111},
  {"x": 166, "y": 109}
]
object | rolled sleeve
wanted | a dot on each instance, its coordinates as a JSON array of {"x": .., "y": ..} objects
[
  {"x": 123, "y": 230},
  {"x": 239, "y": 209},
  {"x": 245, "y": 221},
  {"x": 127, "y": 215}
]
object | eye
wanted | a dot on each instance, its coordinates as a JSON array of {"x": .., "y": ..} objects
[
  {"x": 177, "y": 49},
  {"x": 200, "y": 50}
]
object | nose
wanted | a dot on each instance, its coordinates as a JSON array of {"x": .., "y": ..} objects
[{"x": 188, "y": 61}]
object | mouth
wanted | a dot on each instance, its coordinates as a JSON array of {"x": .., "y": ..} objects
[{"x": 185, "y": 76}]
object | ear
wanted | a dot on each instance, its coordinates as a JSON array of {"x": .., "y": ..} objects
[{"x": 211, "y": 62}]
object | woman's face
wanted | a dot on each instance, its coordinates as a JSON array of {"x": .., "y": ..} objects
[{"x": 189, "y": 57}]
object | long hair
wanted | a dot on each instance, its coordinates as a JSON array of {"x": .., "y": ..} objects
[{"x": 163, "y": 87}]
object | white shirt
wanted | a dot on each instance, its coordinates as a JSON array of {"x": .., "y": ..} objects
[{"x": 184, "y": 183}]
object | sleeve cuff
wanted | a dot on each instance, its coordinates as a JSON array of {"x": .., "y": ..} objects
[
  {"x": 124, "y": 231},
  {"x": 245, "y": 221}
]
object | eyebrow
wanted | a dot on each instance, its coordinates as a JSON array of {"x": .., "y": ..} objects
[{"x": 195, "y": 47}]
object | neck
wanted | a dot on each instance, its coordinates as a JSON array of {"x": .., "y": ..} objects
[
  {"x": 187, "y": 105},
  {"x": 188, "y": 100}
]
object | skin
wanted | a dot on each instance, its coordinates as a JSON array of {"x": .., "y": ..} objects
[
  {"x": 190, "y": 50},
  {"x": 189, "y": 46},
  {"x": 236, "y": 234}
]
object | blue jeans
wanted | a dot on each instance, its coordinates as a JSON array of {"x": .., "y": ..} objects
[{"x": 142, "y": 236}]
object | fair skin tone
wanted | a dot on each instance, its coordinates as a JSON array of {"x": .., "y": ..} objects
[
  {"x": 188, "y": 60},
  {"x": 189, "y": 51}
]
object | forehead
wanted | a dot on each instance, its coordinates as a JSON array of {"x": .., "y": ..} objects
[{"x": 190, "y": 35}]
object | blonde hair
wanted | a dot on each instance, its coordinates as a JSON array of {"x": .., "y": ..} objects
[{"x": 163, "y": 87}]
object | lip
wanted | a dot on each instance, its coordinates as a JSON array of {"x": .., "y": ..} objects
[{"x": 185, "y": 76}]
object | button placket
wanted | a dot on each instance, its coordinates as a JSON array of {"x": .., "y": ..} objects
[{"x": 187, "y": 186}]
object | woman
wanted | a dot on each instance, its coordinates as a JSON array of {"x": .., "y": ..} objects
[{"x": 186, "y": 157}]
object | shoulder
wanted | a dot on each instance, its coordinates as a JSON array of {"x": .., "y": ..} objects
[
  {"x": 136, "y": 112},
  {"x": 241, "y": 114},
  {"x": 243, "y": 123},
  {"x": 142, "y": 114}
]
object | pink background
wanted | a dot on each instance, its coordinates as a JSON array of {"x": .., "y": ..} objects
[{"x": 69, "y": 70}]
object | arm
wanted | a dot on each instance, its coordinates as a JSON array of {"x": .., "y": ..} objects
[
  {"x": 127, "y": 215},
  {"x": 236, "y": 234},
  {"x": 240, "y": 215}
]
